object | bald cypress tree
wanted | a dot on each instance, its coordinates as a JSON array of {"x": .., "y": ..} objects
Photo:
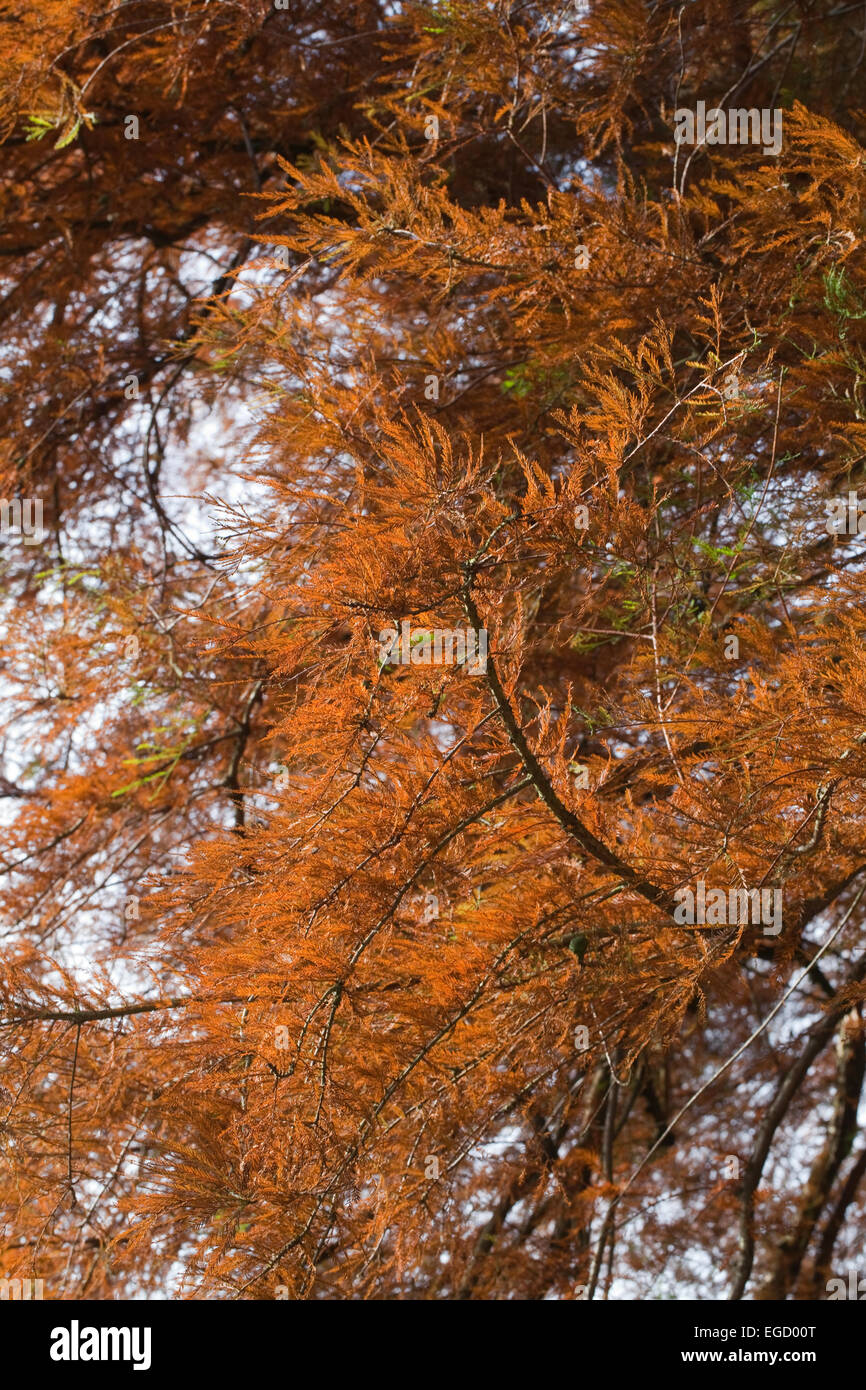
[{"x": 433, "y": 712}]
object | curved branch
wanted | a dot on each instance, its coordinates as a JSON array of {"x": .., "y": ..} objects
[{"x": 567, "y": 819}]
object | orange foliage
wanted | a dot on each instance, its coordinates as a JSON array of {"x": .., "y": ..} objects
[{"x": 332, "y": 971}]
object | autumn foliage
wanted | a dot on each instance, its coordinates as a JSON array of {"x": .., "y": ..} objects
[{"x": 332, "y": 976}]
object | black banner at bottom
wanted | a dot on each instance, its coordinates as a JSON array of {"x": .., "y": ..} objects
[{"x": 66, "y": 1339}]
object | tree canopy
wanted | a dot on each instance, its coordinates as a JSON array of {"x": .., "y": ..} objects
[{"x": 340, "y": 964}]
